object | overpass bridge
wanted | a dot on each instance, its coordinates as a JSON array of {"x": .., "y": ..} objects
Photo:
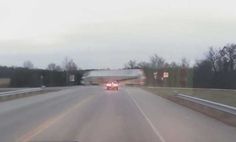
[{"x": 128, "y": 76}]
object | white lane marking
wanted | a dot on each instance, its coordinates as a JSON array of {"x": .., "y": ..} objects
[{"x": 148, "y": 120}]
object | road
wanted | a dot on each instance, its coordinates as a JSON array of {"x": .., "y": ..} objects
[{"x": 92, "y": 114}]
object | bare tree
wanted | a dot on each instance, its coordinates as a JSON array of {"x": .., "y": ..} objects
[
  {"x": 173, "y": 65},
  {"x": 143, "y": 65},
  {"x": 51, "y": 67},
  {"x": 58, "y": 68},
  {"x": 157, "y": 62},
  {"x": 223, "y": 59},
  {"x": 54, "y": 67},
  {"x": 184, "y": 63},
  {"x": 228, "y": 55},
  {"x": 213, "y": 57},
  {"x": 28, "y": 64},
  {"x": 131, "y": 64},
  {"x": 69, "y": 65}
]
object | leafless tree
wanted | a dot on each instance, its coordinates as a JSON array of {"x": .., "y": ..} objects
[
  {"x": 184, "y": 63},
  {"x": 54, "y": 67},
  {"x": 157, "y": 62},
  {"x": 51, "y": 67},
  {"x": 228, "y": 55},
  {"x": 58, "y": 68},
  {"x": 213, "y": 57},
  {"x": 69, "y": 65},
  {"x": 143, "y": 65},
  {"x": 131, "y": 64},
  {"x": 28, "y": 64},
  {"x": 173, "y": 65}
]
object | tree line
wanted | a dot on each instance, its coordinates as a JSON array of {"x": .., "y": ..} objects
[
  {"x": 53, "y": 75},
  {"x": 216, "y": 70}
]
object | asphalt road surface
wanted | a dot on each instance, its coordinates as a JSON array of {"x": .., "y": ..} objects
[{"x": 92, "y": 114}]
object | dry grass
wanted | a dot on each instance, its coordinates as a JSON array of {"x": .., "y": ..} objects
[{"x": 227, "y": 97}]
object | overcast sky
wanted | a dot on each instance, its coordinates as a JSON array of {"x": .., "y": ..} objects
[{"x": 107, "y": 33}]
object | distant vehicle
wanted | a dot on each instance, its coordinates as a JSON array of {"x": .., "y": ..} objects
[{"x": 112, "y": 85}]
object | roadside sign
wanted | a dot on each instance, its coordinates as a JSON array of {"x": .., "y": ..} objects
[
  {"x": 72, "y": 78},
  {"x": 155, "y": 75},
  {"x": 165, "y": 75}
]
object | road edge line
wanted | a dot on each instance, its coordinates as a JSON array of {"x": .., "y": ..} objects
[{"x": 148, "y": 120}]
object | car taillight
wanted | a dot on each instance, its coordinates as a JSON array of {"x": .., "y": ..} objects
[
  {"x": 108, "y": 84},
  {"x": 115, "y": 84}
]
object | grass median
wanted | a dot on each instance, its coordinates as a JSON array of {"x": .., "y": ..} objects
[{"x": 223, "y": 96}]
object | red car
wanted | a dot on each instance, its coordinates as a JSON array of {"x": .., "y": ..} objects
[{"x": 112, "y": 86}]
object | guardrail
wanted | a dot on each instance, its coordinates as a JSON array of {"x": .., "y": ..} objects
[
  {"x": 211, "y": 104},
  {"x": 18, "y": 92}
]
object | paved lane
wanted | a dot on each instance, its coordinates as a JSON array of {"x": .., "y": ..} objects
[
  {"x": 177, "y": 123},
  {"x": 107, "y": 117},
  {"x": 91, "y": 114},
  {"x": 20, "y": 116}
]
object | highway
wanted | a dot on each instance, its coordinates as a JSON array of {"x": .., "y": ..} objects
[{"x": 92, "y": 114}]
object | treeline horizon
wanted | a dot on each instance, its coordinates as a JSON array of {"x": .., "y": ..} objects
[
  {"x": 53, "y": 75},
  {"x": 216, "y": 70}
]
